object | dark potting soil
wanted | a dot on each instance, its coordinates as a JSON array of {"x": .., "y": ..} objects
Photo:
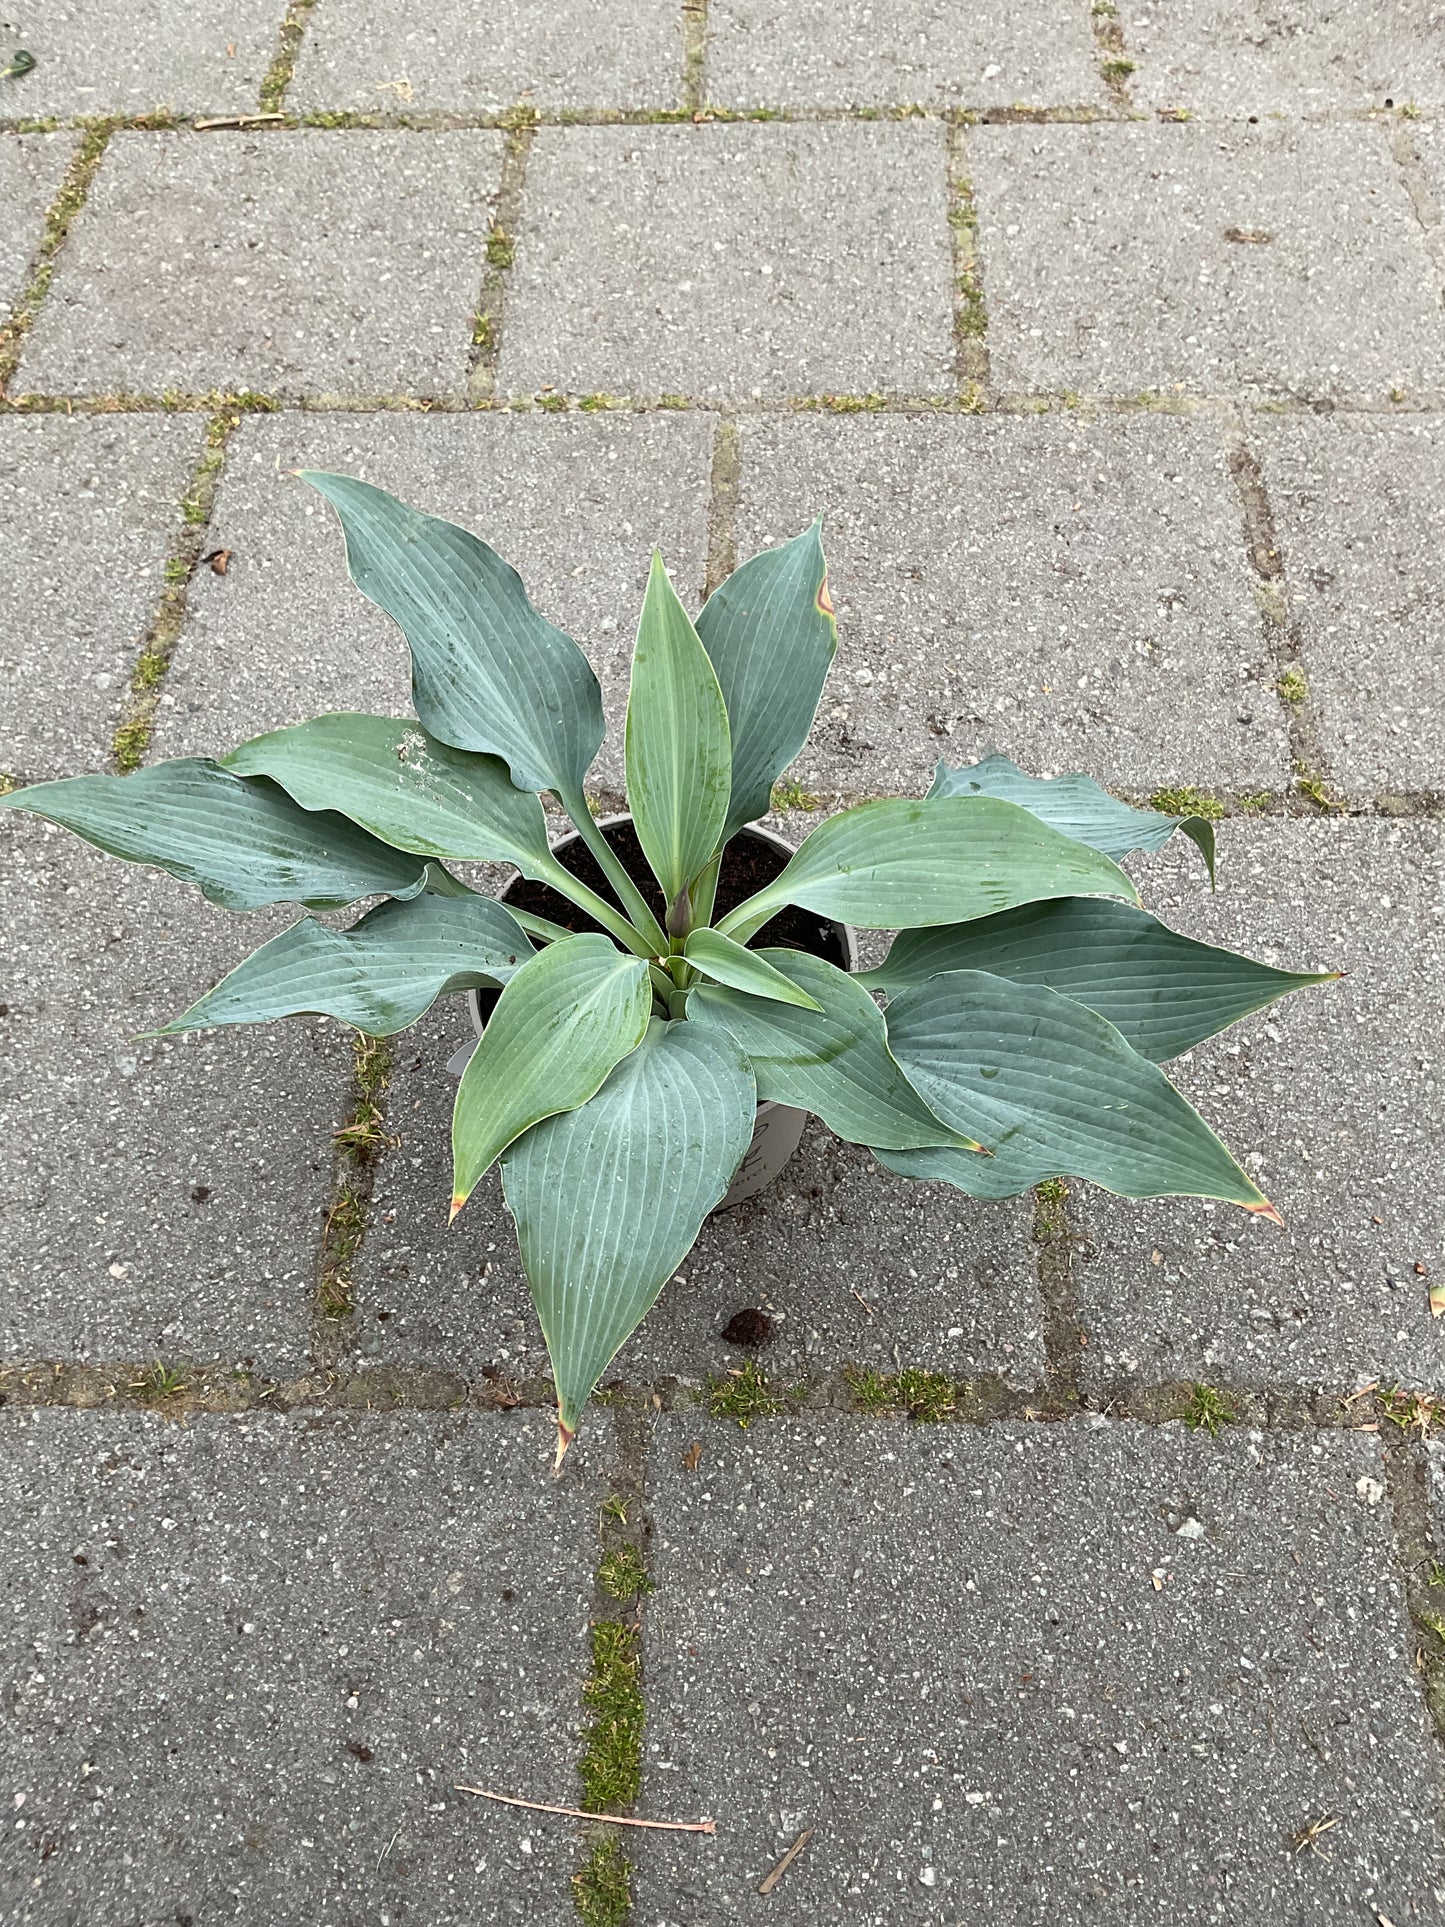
[{"x": 748, "y": 864}]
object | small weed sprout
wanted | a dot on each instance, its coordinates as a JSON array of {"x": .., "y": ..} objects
[{"x": 1207, "y": 1409}]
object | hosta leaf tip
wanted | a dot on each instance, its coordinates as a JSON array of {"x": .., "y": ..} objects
[
  {"x": 1264, "y": 1209},
  {"x": 565, "y": 1435},
  {"x": 456, "y": 1206}
]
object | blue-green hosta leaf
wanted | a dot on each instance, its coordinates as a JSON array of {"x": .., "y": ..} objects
[
  {"x": 240, "y": 840},
  {"x": 905, "y": 862},
  {"x": 1076, "y": 805},
  {"x": 1052, "y": 1090},
  {"x": 770, "y": 632},
  {"x": 679, "y": 758},
  {"x": 1162, "y": 992},
  {"x": 404, "y": 786},
  {"x": 488, "y": 672},
  {"x": 726, "y": 962},
  {"x": 833, "y": 1060},
  {"x": 571, "y": 1013},
  {"x": 379, "y": 975},
  {"x": 609, "y": 1198}
]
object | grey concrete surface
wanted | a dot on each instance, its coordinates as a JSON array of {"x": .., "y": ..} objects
[
  {"x": 944, "y": 1282},
  {"x": 1233, "y": 58},
  {"x": 104, "y": 57},
  {"x": 1109, "y": 264},
  {"x": 734, "y": 261},
  {"x": 32, "y": 167},
  {"x": 1071, "y": 592},
  {"x": 575, "y": 503},
  {"x": 1331, "y": 1102},
  {"x": 468, "y": 58},
  {"x": 1050, "y": 1673},
  {"x": 250, "y": 1657},
  {"x": 883, "y": 53},
  {"x": 163, "y": 1196},
  {"x": 89, "y": 510},
  {"x": 1357, "y": 503},
  {"x": 301, "y": 262}
]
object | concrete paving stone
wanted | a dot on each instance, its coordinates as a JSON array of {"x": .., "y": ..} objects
[
  {"x": 161, "y": 1197},
  {"x": 1332, "y": 1103},
  {"x": 252, "y": 1655},
  {"x": 733, "y": 260},
  {"x": 1357, "y": 503},
  {"x": 88, "y": 510},
  {"x": 105, "y": 57},
  {"x": 32, "y": 167},
  {"x": 882, "y": 53},
  {"x": 575, "y": 503},
  {"x": 1074, "y": 593},
  {"x": 1233, "y": 58},
  {"x": 304, "y": 262},
  {"x": 942, "y": 1650},
  {"x": 1270, "y": 260},
  {"x": 951, "y": 1284},
  {"x": 465, "y": 57}
]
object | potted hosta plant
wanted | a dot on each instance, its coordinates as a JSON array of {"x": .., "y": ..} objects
[{"x": 656, "y": 980}]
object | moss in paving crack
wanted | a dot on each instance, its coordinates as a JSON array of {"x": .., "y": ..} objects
[
  {"x": 196, "y": 505},
  {"x": 927, "y": 1397},
  {"x": 501, "y": 247},
  {"x": 602, "y": 1891},
  {"x": 359, "y": 1143},
  {"x": 1206, "y": 1409},
  {"x": 1292, "y": 685},
  {"x": 623, "y": 1574},
  {"x": 1050, "y": 1222},
  {"x": 594, "y": 404},
  {"x": 334, "y": 120},
  {"x": 278, "y": 76},
  {"x": 133, "y": 734},
  {"x": 341, "y": 1241},
  {"x": 363, "y": 1138},
  {"x": 520, "y": 118},
  {"x": 971, "y": 321},
  {"x": 63, "y": 210},
  {"x": 869, "y": 404},
  {"x": 743, "y": 1395},
  {"x": 150, "y": 666},
  {"x": 1186, "y": 800},
  {"x": 611, "y": 1767},
  {"x": 130, "y": 742},
  {"x": 1115, "y": 64}
]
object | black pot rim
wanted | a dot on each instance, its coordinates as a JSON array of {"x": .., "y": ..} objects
[{"x": 847, "y": 936}]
